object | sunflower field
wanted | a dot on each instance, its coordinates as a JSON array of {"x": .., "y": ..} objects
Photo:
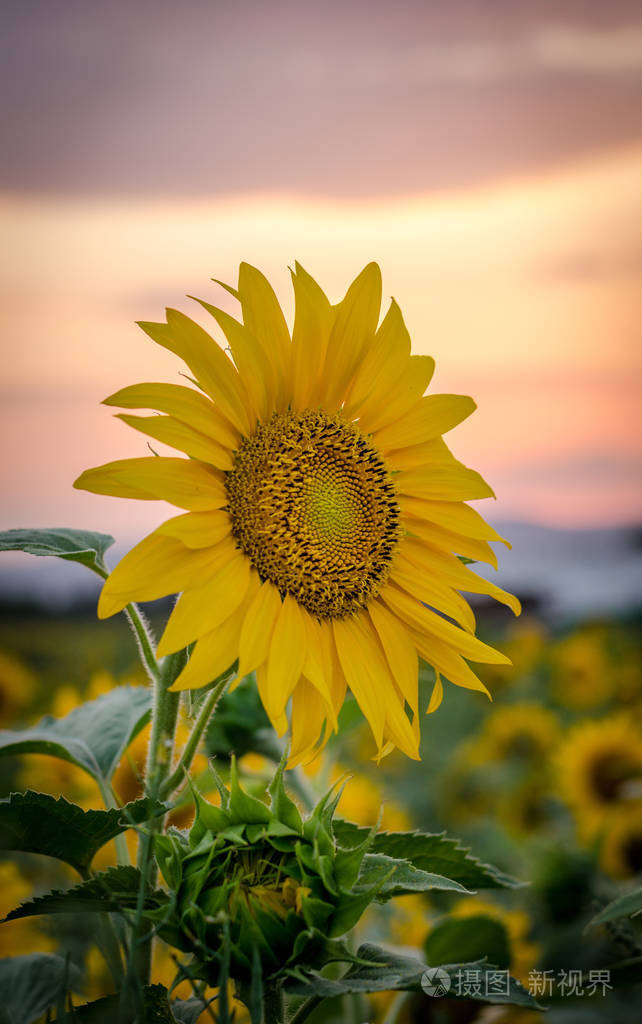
[{"x": 284, "y": 795}]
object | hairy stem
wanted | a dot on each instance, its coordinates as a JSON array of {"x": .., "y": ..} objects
[
  {"x": 144, "y": 640},
  {"x": 205, "y": 713},
  {"x": 306, "y": 1009},
  {"x": 110, "y": 801},
  {"x": 273, "y": 1009}
]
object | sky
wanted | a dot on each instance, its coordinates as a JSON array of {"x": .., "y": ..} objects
[{"x": 488, "y": 155}]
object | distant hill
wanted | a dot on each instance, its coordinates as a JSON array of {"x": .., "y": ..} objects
[{"x": 563, "y": 573}]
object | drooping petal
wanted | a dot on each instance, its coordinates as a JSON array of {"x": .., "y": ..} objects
[
  {"x": 183, "y": 482},
  {"x": 429, "y": 589},
  {"x": 199, "y": 609},
  {"x": 213, "y": 654},
  {"x": 452, "y": 515},
  {"x": 469, "y": 547},
  {"x": 448, "y": 663},
  {"x": 399, "y": 649},
  {"x": 258, "y": 626},
  {"x": 436, "y": 696},
  {"x": 443, "y": 483},
  {"x": 176, "y": 434},
  {"x": 286, "y": 655},
  {"x": 308, "y": 719},
  {"x": 449, "y": 569},
  {"x": 428, "y": 418},
  {"x": 365, "y": 670}
]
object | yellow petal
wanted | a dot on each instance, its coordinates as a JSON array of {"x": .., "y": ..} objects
[
  {"x": 437, "y": 537},
  {"x": 308, "y": 719},
  {"x": 389, "y": 404},
  {"x": 313, "y": 320},
  {"x": 251, "y": 360},
  {"x": 428, "y": 588},
  {"x": 399, "y": 729},
  {"x": 436, "y": 696},
  {"x": 179, "y": 435},
  {"x": 423, "y": 619},
  {"x": 183, "y": 403},
  {"x": 452, "y": 515},
  {"x": 157, "y": 566},
  {"x": 382, "y": 365},
  {"x": 365, "y": 669},
  {"x": 400, "y": 651},
  {"x": 182, "y": 482},
  {"x": 448, "y": 663},
  {"x": 352, "y": 333},
  {"x": 430, "y": 453},
  {"x": 201, "y": 608},
  {"x": 317, "y": 667},
  {"x": 264, "y": 317},
  {"x": 213, "y": 654},
  {"x": 198, "y": 529},
  {"x": 214, "y": 372},
  {"x": 428, "y": 418},
  {"x": 258, "y": 626},
  {"x": 279, "y": 719},
  {"x": 286, "y": 655},
  {"x": 443, "y": 483},
  {"x": 448, "y": 568}
]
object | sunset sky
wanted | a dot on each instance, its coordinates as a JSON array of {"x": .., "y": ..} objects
[{"x": 488, "y": 155}]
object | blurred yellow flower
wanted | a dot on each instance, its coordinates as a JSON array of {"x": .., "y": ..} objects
[
  {"x": 521, "y": 732},
  {"x": 581, "y": 675},
  {"x": 599, "y": 770},
  {"x": 621, "y": 846},
  {"x": 24, "y": 935},
  {"x": 17, "y": 687},
  {"x": 362, "y": 801},
  {"x": 324, "y": 511},
  {"x": 523, "y": 952}
]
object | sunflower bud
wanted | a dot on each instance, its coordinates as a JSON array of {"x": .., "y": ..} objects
[{"x": 275, "y": 886}]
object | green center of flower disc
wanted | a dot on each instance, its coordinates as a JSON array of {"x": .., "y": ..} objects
[{"x": 313, "y": 507}]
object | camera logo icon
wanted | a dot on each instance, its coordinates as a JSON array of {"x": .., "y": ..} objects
[{"x": 435, "y": 981}]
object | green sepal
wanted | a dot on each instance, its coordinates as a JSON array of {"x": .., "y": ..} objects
[
  {"x": 350, "y": 906},
  {"x": 169, "y": 853},
  {"x": 348, "y": 861},
  {"x": 244, "y": 808},
  {"x": 283, "y": 808},
  {"x": 38, "y": 823}
]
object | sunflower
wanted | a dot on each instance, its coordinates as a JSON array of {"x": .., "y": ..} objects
[
  {"x": 599, "y": 769},
  {"x": 523, "y": 733},
  {"x": 621, "y": 848},
  {"x": 323, "y": 511}
]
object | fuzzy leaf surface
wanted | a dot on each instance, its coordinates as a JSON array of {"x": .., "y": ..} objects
[
  {"x": 434, "y": 852},
  {"x": 72, "y": 545},
  {"x": 625, "y": 905},
  {"x": 93, "y": 735},
  {"x": 405, "y": 877},
  {"x": 391, "y": 971},
  {"x": 114, "y": 889},
  {"x": 38, "y": 823},
  {"x": 30, "y": 985}
]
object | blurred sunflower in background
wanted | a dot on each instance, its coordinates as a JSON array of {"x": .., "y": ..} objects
[
  {"x": 599, "y": 768},
  {"x": 525, "y": 733},
  {"x": 325, "y": 512},
  {"x": 621, "y": 846},
  {"x": 582, "y": 677}
]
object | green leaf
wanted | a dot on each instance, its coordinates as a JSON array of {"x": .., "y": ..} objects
[
  {"x": 626, "y": 905},
  {"x": 38, "y": 823},
  {"x": 404, "y": 877},
  {"x": 431, "y": 852},
  {"x": 32, "y": 984},
  {"x": 93, "y": 735},
  {"x": 389, "y": 971},
  {"x": 72, "y": 545},
  {"x": 114, "y": 889},
  {"x": 241, "y": 726},
  {"x": 109, "y": 1010},
  {"x": 467, "y": 939}
]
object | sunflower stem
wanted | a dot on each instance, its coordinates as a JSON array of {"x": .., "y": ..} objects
[
  {"x": 273, "y": 1008},
  {"x": 206, "y": 711},
  {"x": 306, "y": 1009},
  {"x": 144, "y": 641},
  {"x": 159, "y": 763},
  {"x": 110, "y": 801}
]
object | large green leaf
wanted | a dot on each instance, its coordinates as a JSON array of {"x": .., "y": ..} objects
[
  {"x": 38, "y": 823},
  {"x": 388, "y": 971},
  {"x": 93, "y": 735},
  {"x": 404, "y": 877},
  {"x": 434, "y": 852},
  {"x": 114, "y": 889},
  {"x": 625, "y": 905},
  {"x": 72, "y": 545},
  {"x": 467, "y": 939},
  {"x": 30, "y": 985}
]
